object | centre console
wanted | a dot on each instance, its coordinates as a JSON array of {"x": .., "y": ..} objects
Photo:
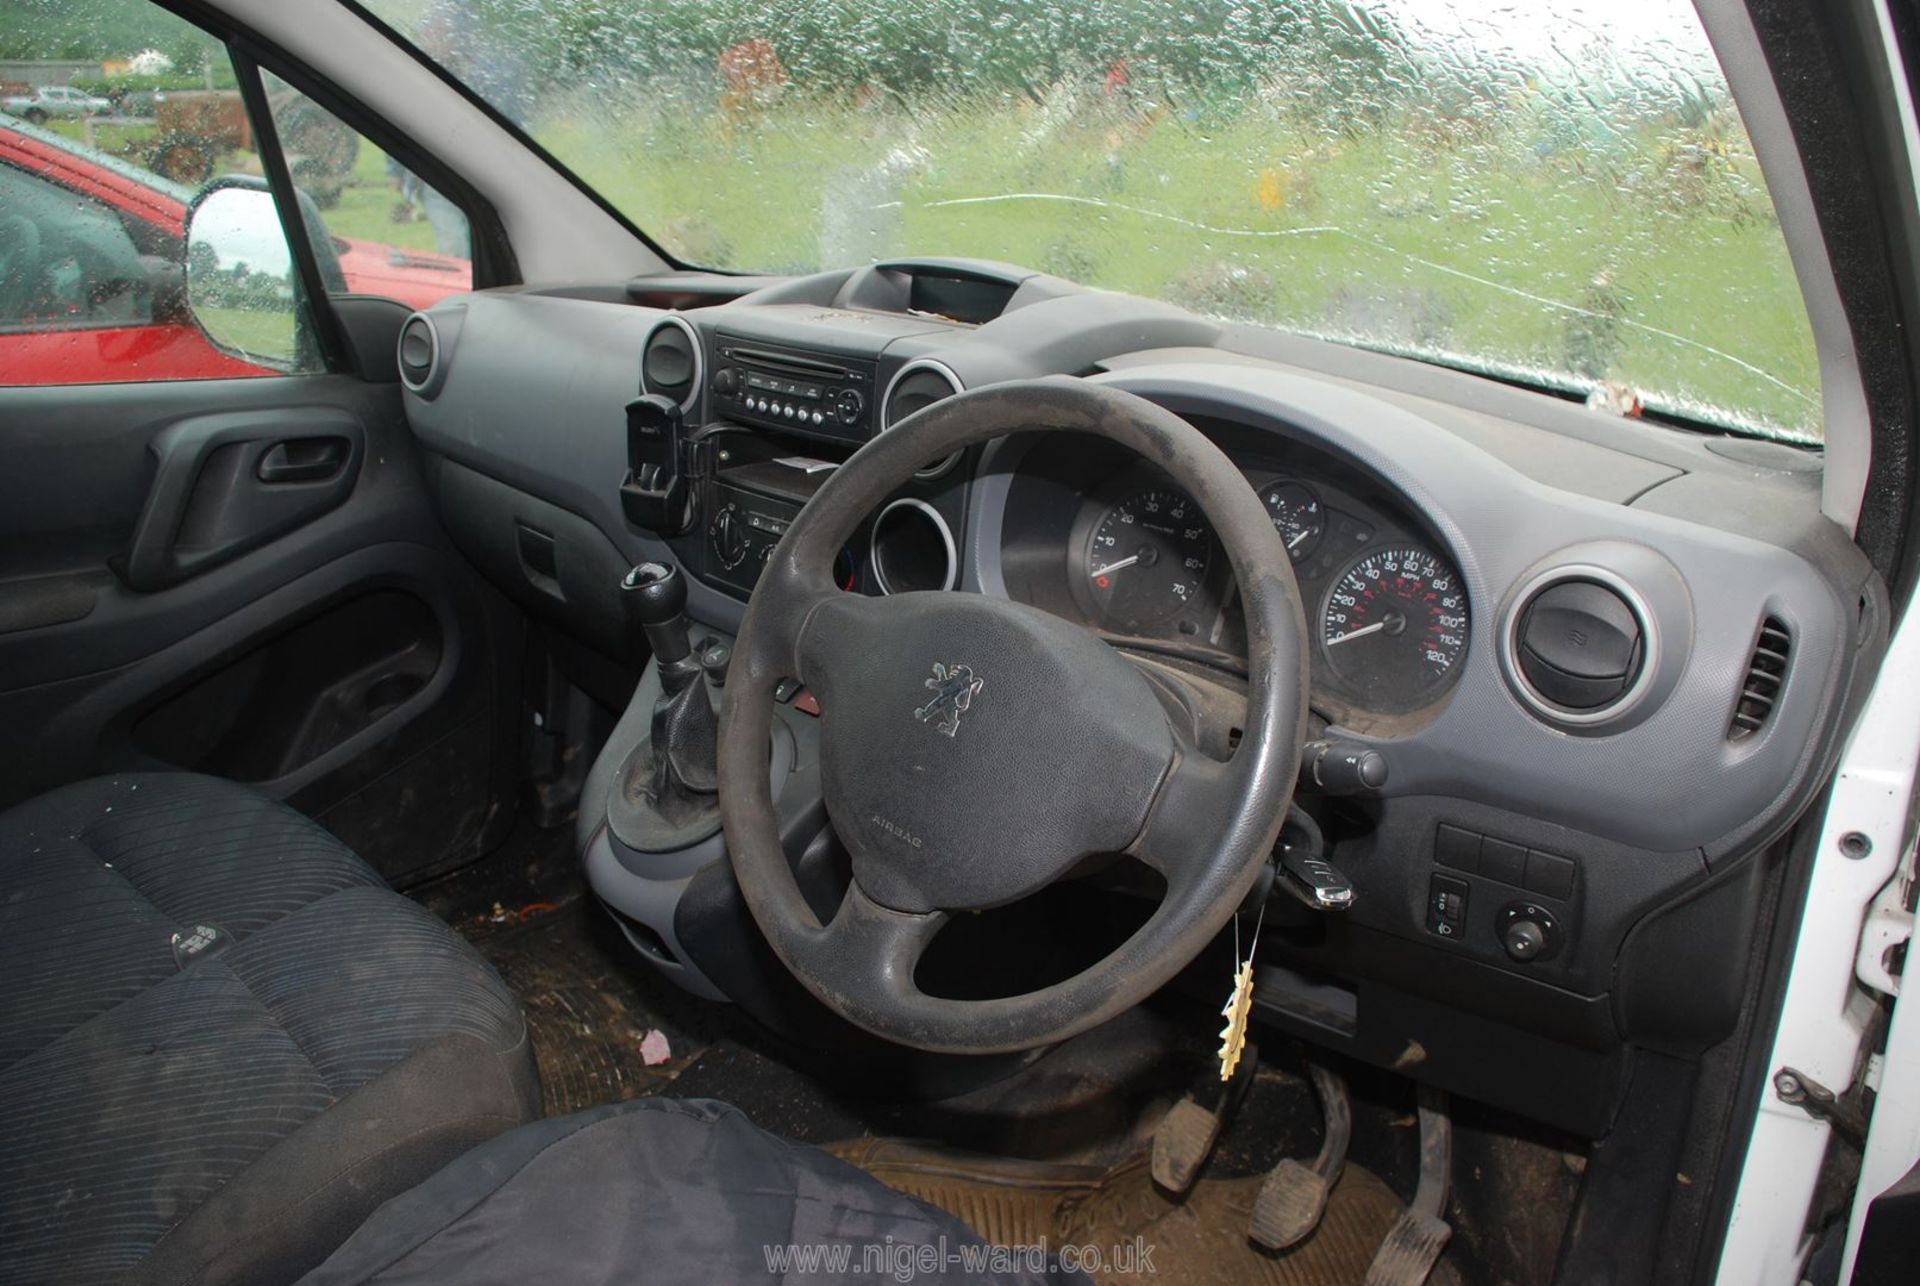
[{"x": 738, "y": 426}]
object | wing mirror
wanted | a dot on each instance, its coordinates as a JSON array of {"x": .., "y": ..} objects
[{"x": 241, "y": 282}]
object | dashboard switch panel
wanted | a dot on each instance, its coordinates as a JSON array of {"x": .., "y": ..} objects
[
  {"x": 1549, "y": 874},
  {"x": 1447, "y": 907},
  {"x": 1457, "y": 847},
  {"x": 1503, "y": 861}
]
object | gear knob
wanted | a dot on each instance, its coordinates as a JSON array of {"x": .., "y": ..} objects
[{"x": 655, "y": 595}]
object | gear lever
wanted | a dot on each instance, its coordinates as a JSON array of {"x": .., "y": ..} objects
[
  {"x": 655, "y": 595},
  {"x": 685, "y": 729}
]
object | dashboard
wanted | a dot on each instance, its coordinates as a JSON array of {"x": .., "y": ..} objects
[{"x": 1601, "y": 662}]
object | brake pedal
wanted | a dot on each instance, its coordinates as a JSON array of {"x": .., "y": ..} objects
[
  {"x": 1294, "y": 1197},
  {"x": 1185, "y": 1137},
  {"x": 1415, "y": 1241}
]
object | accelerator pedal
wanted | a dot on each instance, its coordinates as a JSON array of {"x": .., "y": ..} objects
[
  {"x": 1294, "y": 1197},
  {"x": 1415, "y": 1241}
]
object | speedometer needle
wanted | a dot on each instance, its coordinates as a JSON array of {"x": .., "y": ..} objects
[
  {"x": 1114, "y": 567},
  {"x": 1362, "y": 632}
]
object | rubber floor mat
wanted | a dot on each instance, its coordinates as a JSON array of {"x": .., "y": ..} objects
[
  {"x": 1201, "y": 1238},
  {"x": 590, "y": 1009}
]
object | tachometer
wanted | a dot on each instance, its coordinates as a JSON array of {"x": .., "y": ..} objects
[
  {"x": 1148, "y": 558},
  {"x": 1395, "y": 626},
  {"x": 1296, "y": 515}
]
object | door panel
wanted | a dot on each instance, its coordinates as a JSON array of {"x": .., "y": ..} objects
[{"x": 246, "y": 577}]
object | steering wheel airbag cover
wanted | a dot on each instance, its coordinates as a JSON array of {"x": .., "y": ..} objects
[{"x": 1032, "y": 746}]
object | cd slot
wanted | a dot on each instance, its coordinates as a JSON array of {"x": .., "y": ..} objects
[{"x": 788, "y": 363}]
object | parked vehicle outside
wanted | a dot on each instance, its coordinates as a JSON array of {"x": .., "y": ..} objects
[
  {"x": 50, "y": 102},
  {"x": 102, "y": 304}
]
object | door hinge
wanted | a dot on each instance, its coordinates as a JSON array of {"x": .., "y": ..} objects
[{"x": 1798, "y": 1089}]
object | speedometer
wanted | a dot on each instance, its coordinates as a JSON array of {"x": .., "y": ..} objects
[
  {"x": 1395, "y": 626},
  {"x": 1147, "y": 558}
]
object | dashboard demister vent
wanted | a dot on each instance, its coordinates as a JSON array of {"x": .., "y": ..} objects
[
  {"x": 1766, "y": 675},
  {"x": 420, "y": 356},
  {"x": 670, "y": 362}
]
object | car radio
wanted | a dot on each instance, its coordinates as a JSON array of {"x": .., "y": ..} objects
[{"x": 816, "y": 394}]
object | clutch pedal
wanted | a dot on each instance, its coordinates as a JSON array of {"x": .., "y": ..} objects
[
  {"x": 1184, "y": 1139},
  {"x": 1294, "y": 1197},
  {"x": 1415, "y": 1241}
]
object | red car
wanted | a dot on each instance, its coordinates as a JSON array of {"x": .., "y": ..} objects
[{"x": 78, "y": 277}]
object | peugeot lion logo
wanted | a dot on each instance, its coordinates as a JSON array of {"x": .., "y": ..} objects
[{"x": 954, "y": 688}]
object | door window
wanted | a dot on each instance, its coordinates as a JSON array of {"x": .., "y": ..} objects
[
  {"x": 95, "y": 208},
  {"x": 378, "y": 227},
  {"x": 66, "y": 260}
]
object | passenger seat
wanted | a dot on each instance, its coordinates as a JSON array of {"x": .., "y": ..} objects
[{"x": 223, "y": 1040}]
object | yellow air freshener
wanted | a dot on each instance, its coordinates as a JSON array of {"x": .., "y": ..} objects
[{"x": 1233, "y": 1037}]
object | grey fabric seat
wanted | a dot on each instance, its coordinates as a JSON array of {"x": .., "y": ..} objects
[
  {"x": 662, "y": 1191},
  {"x": 223, "y": 1041}
]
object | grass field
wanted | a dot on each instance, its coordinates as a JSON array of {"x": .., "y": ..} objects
[
  {"x": 1653, "y": 261},
  {"x": 265, "y": 335},
  {"x": 366, "y": 205}
]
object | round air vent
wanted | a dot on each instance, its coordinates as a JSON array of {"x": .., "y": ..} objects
[
  {"x": 670, "y": 362},
  {"x": 912, "y": 549},
  {"x": 1579, "y": 647},
  {"x": 916, "y": 386},
  {"x": 419, "y": 354}
]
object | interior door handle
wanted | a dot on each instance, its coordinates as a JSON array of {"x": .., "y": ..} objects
[
  {"x": 303, "y": 460},
  {"x": 221, "y": 487}
]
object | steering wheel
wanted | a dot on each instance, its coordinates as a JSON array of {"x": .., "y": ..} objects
[{"x": 975, "y": 750}]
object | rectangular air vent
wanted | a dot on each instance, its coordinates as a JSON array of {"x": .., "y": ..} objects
[{"x": 1766, "y": 675}]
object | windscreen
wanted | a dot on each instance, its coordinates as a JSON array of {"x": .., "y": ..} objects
[{"x": 1556, "y": 191}]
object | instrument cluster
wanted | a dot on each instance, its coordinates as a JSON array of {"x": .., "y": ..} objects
[{"x": 1385, "y": 604}]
